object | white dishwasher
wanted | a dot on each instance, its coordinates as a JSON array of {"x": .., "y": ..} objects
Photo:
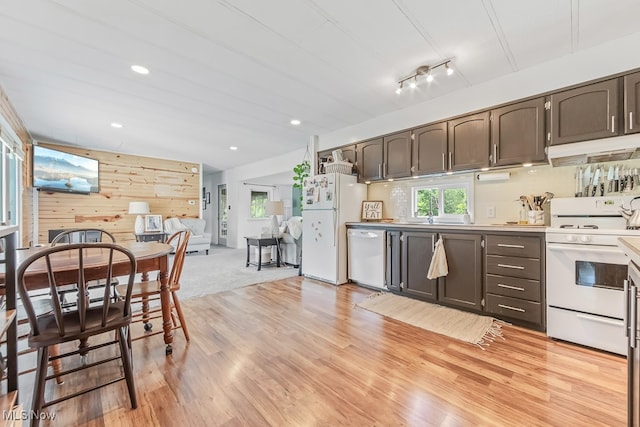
[{"x": 366, "y": 256}]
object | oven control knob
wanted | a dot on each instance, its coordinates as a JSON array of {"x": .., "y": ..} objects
[
  {"x": 570, "y": 238},
  {"x": 585, "y": 239}
]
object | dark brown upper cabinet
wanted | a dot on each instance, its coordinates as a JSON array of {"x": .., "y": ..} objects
[
  {"x": 587, "y": 112},
  {"x": 517, "y": 133},
  {"x": 430, "y": 149},
  {"x": 397, "y": 155},
  {"x": 417, "y": 250},
  {"x": 370, "y": 159},
  {"x": 348, "y": 155},
  {"x": 462, "y": 287},
  {"x": 468, "y": 142},
  {"x": 632, "y": 103}
]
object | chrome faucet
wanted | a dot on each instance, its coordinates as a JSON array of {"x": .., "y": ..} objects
[{"x": 431, "y": 203}]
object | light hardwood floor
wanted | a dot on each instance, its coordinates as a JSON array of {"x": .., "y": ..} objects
[{"x": 297, "y": 352}]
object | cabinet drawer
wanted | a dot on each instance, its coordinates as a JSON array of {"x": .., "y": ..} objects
[
  {"x": 526, "y": 247},
  {"x": 527, "y": 268},
  {"x": 513, "y": 287},
  {"x": 514, "y": 308}
]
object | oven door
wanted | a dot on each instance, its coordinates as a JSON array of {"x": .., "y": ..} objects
[{"x": 586, "y": 278}]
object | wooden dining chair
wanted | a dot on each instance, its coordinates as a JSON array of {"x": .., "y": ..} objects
[
  {"x": 146, "y": 292},
  {"x": 78, "y": 263},
  {"x": 82, "y": 235}
]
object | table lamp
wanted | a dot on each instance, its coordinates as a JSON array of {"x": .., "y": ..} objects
[
  {"x": 139, "y": 208},
  {"x": 274, "y": 207}
]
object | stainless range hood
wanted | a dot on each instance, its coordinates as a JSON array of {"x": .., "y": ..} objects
[{"x": 595, "y": 151}]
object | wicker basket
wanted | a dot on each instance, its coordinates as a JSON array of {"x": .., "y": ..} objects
[{"x": 339, "y": 167}]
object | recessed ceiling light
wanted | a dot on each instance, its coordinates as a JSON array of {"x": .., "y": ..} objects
[
  {"x": 295, "y": 122},
  {"x": 233, "y": 148},
  {"x": 116, "y": 125},
  {"x": 527, "y": 165},
  {"x": 140, "y": 69}
]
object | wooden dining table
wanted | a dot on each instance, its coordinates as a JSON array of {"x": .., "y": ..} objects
[{"x": 150, "y": 256}]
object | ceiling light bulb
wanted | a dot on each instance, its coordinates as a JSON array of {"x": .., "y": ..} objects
[
  {"x": 116, "y": 125},
  {"x": 140, "y": 69},
  {"x": 295, "y": 122},
  {"x": 414, "y": 83},
  {"x": 233, "y": 148},
  {"x": 429, "y": 77},
  {"x": 449, "y": 69},
  {"x": 399, "y": 90}
]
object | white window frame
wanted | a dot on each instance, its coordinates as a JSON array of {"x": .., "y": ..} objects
[
  {"x": 268, "y": 197},
  {"x": 466, "y": 183}
]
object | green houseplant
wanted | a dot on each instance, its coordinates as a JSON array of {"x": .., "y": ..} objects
[{"x": 301, "y": 171}]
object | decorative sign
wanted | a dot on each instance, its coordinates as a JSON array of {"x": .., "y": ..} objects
[{"x": 372, "y": 210}]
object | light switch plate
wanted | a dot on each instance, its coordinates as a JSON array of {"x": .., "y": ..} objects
[{"x": 192, "y": 202}]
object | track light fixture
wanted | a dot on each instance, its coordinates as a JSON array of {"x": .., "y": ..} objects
[{"x": 424, "y": 70}]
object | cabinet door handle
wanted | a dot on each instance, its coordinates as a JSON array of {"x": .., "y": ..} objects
[
  {"x": 515, "y": 267},
  {"x": 433, "y": 242},
  {"x": 444, "y": 168},
  {"x": 495, "y": 154},
  {"x": 633, "y": 299},
  {"x": 515, "y": 288},
  {"x": 613, "y": 124},
  {"x": 508, "y": 307},
  {"x": 630, "y": 120},
  {"x": 626, "y": 309},
  {"x": 504, "y": 245},
  {"x": 450, "y": 161},
  {"x": 379, "y": 170}
]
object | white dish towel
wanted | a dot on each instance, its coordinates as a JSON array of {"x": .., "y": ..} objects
[{"x": 439, "y": 266}]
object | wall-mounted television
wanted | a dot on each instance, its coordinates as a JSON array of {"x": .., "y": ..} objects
[{"x": 55, "y": 170}]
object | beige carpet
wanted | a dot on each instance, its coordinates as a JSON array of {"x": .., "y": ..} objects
[
  {"x": 469, "y": 327},
  {"x": 223, "y": 270}
]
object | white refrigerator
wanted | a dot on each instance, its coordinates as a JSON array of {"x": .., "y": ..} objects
[{"x": 329, "y": 201}]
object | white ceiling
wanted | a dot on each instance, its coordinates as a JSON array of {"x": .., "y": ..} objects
[{"x": 235, "y": 72}]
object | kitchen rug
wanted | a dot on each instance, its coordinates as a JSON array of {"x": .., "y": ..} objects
[{"x": 469, "y": 327}]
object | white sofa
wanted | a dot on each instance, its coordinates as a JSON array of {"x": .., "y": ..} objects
[
  {"x": 199, "y": 240},
  {"x": 291, "y": 240}
]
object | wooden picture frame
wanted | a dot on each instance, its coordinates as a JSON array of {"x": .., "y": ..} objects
[
  {"x": 372, "y": 210},
  {"x": 153, "y": 223}
]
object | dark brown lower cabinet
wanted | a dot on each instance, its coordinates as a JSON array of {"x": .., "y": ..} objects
[
  {"x": 462, "y": 287},
  {"x": 417, "y": 250},
  {"x": 393, "y": 257}
]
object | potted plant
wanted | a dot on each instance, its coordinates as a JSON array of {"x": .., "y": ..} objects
[{"x": 301, "y": 171}]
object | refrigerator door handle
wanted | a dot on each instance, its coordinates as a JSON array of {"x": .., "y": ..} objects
[{"x": 335, "y": 227}]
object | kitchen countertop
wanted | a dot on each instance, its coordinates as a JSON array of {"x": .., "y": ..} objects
[
  {"x": 631, "y": 247},
  {"x": 471, "y": 227}
]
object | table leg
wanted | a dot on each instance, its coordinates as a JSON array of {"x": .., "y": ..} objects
[
  {"x": 165, "y": 302},
  {"x": 259, "y": 256},
  {"x": 277, "y": 253},
  {"x": 248, "y": 252}
]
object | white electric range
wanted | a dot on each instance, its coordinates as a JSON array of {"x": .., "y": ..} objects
[{"x": 585, "y": 271}]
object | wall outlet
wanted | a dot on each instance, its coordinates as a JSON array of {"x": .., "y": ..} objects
[{"x": 491, "y": 212}]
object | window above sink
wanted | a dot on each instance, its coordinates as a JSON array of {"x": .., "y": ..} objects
[{"x": 442, "y": 202}]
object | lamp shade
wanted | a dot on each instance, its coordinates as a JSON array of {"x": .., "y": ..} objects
[
  {"x": 138, "y": 208},
  {"x": 274, "y": 207}
]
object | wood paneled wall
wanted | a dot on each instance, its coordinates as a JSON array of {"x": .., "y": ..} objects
[{"x": 167, "y": 185}]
